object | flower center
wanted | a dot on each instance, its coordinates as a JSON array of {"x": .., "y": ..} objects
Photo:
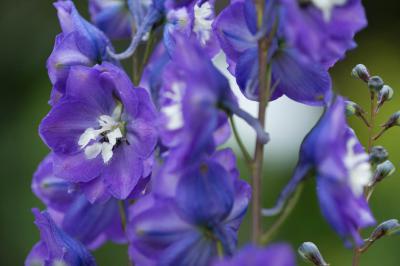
[
  {"x": 173, "y": 111},
  {"x": 103, "y": 139},
  {"x": 358, "y": 167},
  {"x": 203, "y": 22}
]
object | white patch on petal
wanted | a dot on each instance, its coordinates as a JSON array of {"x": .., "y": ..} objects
[
  {"x": 203, "y": 19},
  {"x": 173, "y": 111},
  {"x": 106, "y": 151},
  {"x": 179, "y": 18},
  {"x": 358, "y": 167},
  {"x": 326, "y": 6}
]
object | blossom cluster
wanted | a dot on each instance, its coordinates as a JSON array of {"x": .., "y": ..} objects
[{"x": 138, "y": 160}]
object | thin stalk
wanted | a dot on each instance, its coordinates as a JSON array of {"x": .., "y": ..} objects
[
  {"x": 122, "y": 213},
  {"x": 148, "y": 49},
  {"x": 368, "y": 193},
  {"x": 257, "y": 169},
  {"x": 246, "y": 154},
  {"x": 377, "y": 136},
  {"x": 267, "y": 236}
]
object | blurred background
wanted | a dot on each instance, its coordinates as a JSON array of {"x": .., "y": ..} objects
[{"x": 28, "y": 29}]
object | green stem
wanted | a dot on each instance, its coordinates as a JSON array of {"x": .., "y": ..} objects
[
  {"x": 246, "y": 154},
  {"x": 267, "y": 236},
  {"x": 146, "y": 56}
]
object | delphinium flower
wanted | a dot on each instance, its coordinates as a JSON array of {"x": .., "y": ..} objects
[
  {"x": 193, "y": 219},
  {"x": 194, "y": 20},
  {"x": 113, "y": 17},
  {"x": 102, "y": 132},
  {"x": 90, "y": 224},
  {"x": 56, "y": 247},
  {"x": 302, "y": 45},
  {"x": 80, "y": 43},
  {"x": 272, "y": 255},
  {"x": 194, "y": 100},
  {"x": 342, "y": 170}
]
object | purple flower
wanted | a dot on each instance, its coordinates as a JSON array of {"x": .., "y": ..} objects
[
  {"x": 342, "y": 169},
  {"x": 194, "y": 21},
  {"x": 102, "y": 132},
  {"x": 294, "y": 74},
  {"x": 185, "y": 223},
  {"x": 80, "y": 43},
  {"x": 113, "y": 17},
  {"x": 273, "y": 255},
  {"x": 324, "y": 30},
  {"x": 91, "y": 224},
  {"x": 56, "y": 247},
  {"x": 193, "y": 92}
]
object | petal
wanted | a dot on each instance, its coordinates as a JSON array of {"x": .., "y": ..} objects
[
  {"x": 205, "y": 194},
  {"x": 300, "y": 80},
  {"x": 61, "y": 246},
  {"x": 52, "y": 190},
  {"x": 123, "y": 172},
  {"x": 77, "y": 168},
  {"x": 65, "y": 123}
]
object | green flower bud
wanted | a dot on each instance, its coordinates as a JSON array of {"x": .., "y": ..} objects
[
  {"x": 375, "y": 83},
  {"x": 360, "y": 71},
  {"x": 378, "y": 154},
  {"x": 385, "y": 94},
  {"x": 310, "y": 252},
  {"x": 383, "y": 170},
  {"x": 353, "y": 109}
]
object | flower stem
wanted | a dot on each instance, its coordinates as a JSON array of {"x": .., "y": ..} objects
[
  {"x": 246, "y": 154},
  {"x": 264, "y": 77},
  {"x": 122, "y": 213},
  {"x": 267, "y": 236},
  {"x": 371, "y": 138}
]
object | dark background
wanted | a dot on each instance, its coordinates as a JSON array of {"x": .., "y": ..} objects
[{"x": 27, "y": 32}]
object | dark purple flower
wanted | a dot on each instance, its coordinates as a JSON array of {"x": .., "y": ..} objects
[
  {"x": 185, "y": 223},
  {"x": 342, "y": 169},
  {"x": 56, "y": 247},
  {"x": 194, "y": 21},
  {"x": 91, "y": 224},
  {"x": 102, "y": 132},
  {"x": 294, "y": 74},
  {"x": 193, "y": 92},
  {"x": 272, "y": 255},
  {"x": 112, "y": 17},
  {"x": 80, "y": 43}
]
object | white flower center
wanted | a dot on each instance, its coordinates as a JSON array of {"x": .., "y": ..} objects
[
  {"x": 173, "y": 111},
  {"x": 326, "y": 6},
  {"x": 203, "y": 19},
  {"x": 359, "y": 169},
  {"x": 102, "y": 140}
]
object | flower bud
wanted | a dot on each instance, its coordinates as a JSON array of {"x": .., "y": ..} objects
[
  {"x": 378, "y": 154},
  {"x": 383, "y": 170},
  {"x": 309, "y": 252},
  {"x": 385, "y": 94},
  {"x": 353, "y": 109},
  {"x": 360, "y": 71},
  {"x": 375, "y": 83},
  {"x": 387, "y": 228},
  {"x": 394, "y": 120}
]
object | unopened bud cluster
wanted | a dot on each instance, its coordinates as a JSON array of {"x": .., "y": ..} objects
[{"x": 310, "y": 252}]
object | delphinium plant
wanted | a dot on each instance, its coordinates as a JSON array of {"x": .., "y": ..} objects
[{"x": 135, "y": 154}]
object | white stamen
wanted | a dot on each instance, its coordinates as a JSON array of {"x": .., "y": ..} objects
[
  {"x": 203, "y": 19},
  {"x": 359, "y": 169},
  {"x": 106, "y": 136},
  {"x": 178, "y": 17},
  {"x": 93, "y": 150},
  {"x": 326, "y": 6}
]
